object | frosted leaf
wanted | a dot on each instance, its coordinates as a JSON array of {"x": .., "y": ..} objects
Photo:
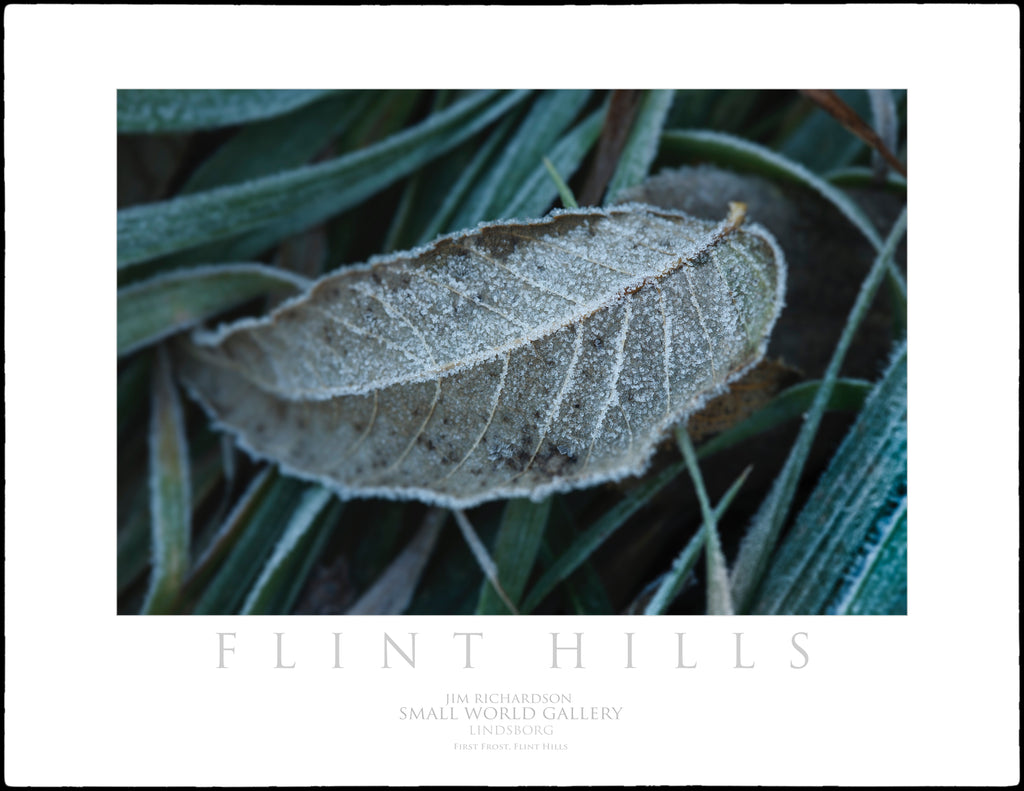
[{"x": 512, "y": 360}]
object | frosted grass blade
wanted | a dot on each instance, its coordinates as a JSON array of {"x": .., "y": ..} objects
[
  {"x": 859, "y": 176},
  {"x": 759, "y": 542},
  {"x": 153, "y": 309},
  {"x": 429, "y": 187},
  {"x": 134, "y": 532},
  {"x": 719, "y": 601},
  {"x": 441, "y": 219},
  {"x": 300, "y": 567},
  {"x": 271, "y": 578},
  {"x": 668, "y": 586},
  {"x": 673, "y": 581},
  {"x": 192, "y": 110},
  {"x": 483, "y": 558},
  {"x": 221, "y": 542},
  {"x": 268, "y": 147},
  {"x": 515, "y": 551},
  {"x": 538, "y": 192},
  {"x": 849, "y": 515},
  {"x": 379, "y": 116},
  {"x": 226, "y": 591},
  {"x": 880, "y": 586},
  {"x": 642, "y": 145},
  {"x": 551, "y": 114},
  {"x": 310, "y": 193},
  {"x": 169, "y": 489}
]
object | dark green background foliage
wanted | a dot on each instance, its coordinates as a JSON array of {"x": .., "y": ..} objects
[{"x": 229, "y": 201}]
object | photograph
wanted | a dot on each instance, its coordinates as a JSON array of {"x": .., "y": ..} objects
[
  {"x": 429, "y": 317},
  {"x": 445, "y": 352}
]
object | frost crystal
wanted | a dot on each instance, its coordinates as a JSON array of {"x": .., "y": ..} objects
[{"x": 511, "y": 360}]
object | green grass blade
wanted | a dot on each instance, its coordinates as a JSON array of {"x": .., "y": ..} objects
[
  {"x": 268, "y": 147},
  {"x": 378, "y": 547},
  {"x": 719, "y": 599},
  {"x": 381, "y": 114},
  {"x": 860, "y": 176},
  {"x": 538, "y": 192},
  {"x": 550, "y": 116},
  {"x": 307, "y": 195},
  {"x": 169, "y": 489},
  {"x": 831, "y": 549},
  {"x": 207, "y": 465},
  {"x": 228, "y": 455},
  {"x": 568, "y": 199},
  {"x": 415, "y": 187},
  {"x": 599, "y": 532},
  {"x": 642, "y": 144},
  {"x": 847, "y": 395},
  {"x": 515, "y": 552},
  {"x": 387, "y": 114},
  {"x": 134, "y": 531},
  {"x": 763, "y": 533},
  {"x": 256, "y": 539},
  {"x": 672, "y": 582},
  {"x": 584, "y": 589},
  {"x": 443, "y": 218},
  {"x": 153, "y": 309},
  {"x": 399, "y": 228},
  {"x": 302, "y": 566},
  {"x": 430, "y": 187},
  {"x": 273, "y": 577},
  {"x": 540, "y": 130},
  {"x": 482, "y": 556},
  {"x": 880, "y": 586},
  {"x": 192, "y": 110},
  {"x": 233, "y": 525}
]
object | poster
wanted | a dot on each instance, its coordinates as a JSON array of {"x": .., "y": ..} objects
[{"x": 406, "y": 700}]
